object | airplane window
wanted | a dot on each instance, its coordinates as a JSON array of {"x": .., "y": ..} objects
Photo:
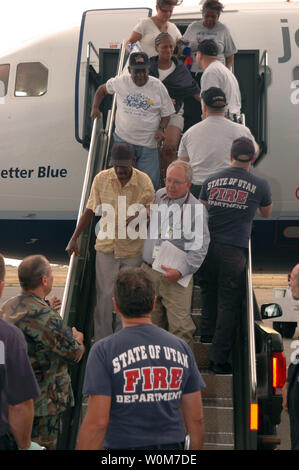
[
  {"x": 4, "y": 74},
  {"x": 31, "y": 79}
]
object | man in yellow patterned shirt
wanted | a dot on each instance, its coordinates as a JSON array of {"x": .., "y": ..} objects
[{"x": 113, "y": 192}]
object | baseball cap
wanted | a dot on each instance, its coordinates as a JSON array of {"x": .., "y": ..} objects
[
  {"x": 122, "y": 154},
  {"x": 242, "y": 146},
  {"x": 214, "y": 97},
  {"x": 138, "y": 60},
  {"x": 208, "y": 47}
]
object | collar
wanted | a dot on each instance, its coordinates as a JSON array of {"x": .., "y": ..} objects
[{"x": 180, "y": 201}]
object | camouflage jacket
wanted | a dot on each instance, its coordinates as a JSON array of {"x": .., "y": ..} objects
[{"x": 50, "y": 347}]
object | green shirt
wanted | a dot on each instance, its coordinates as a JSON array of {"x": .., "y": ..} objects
[{"x": 50, "y": 347}]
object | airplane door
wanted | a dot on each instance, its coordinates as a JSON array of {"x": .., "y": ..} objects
[{"x": 100, "y": 29}]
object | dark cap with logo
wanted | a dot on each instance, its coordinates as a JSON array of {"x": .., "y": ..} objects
[
  {"x": 243, "y": 146},
  {"x": 122, "y": 154},
  {"x": 208, "y": 47},
  {"x": 214, "y": 98},
  {"x": 138, "y": 60}
]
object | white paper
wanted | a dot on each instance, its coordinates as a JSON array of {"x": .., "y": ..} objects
[{"x": 171, "y": 257}]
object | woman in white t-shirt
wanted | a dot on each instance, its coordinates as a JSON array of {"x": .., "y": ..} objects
[
  {"x": 148, "y": 28},
  {"x": 179, "y": 84}
]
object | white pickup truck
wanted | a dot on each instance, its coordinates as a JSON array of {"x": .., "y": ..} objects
[{"x": 288, "y": 322}]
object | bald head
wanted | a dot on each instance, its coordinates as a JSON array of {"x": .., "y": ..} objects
[
  {"x": 32, "y": 270},
  {"x": 295, "y": 282}
]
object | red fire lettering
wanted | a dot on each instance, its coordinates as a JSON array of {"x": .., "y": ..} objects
[
  {"x": 213, "y": 193},
  {"x": 220, "y": 195},
  {"x": 176, "y": 378},
  {"x": 230, "y": 195},
  {"x": 147, "y": 383},
  {"x": 160, "y": 378},
  {"x": 242, "y": 197},
  {"x": 131, "y": 378}
]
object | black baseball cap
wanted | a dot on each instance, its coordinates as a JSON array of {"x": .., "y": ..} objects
[
  {"x": 139, "y": 60},
  {"x": 242, "y": 146},
  {"x": 214, "y": 98},
  {"x": 122, "y": 154},
  {"x": 208, "y": 47}
]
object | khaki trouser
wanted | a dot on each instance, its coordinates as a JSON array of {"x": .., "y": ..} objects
[
  {"x": 107, "y": 268},
  {"x": 173, "y": 306}
]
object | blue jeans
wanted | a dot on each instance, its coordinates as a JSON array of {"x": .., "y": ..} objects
[{"x": 147, "y": 160}]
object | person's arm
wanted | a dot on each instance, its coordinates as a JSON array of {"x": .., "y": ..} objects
[
  {"x": 229, "y": 61},
  {"x": 132, "y": 39},
  {"x": 265, "y": 211},
  {"x": 160, "y": 136},
  {"x": 79, "y": 337},
  {"x": 197, "y": 97},
  {"x": 20, "y": 418},
  {"x": 84, "y": 221},
  {"x": 97, "y": 100},
  {"x": 284, "y": 397},
  {"x": 95, "y": 424},
  {"x": 191, "y": 406}
]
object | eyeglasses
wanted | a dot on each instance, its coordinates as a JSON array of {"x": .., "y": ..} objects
[{"x": 174, "y": 182}]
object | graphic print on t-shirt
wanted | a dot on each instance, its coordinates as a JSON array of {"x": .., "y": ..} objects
[
  {"x": 233, "y": 198},
  {"x": 137, "y": 381},
  {"x": 137, "y": 102}
]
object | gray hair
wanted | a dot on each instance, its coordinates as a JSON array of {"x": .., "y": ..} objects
[
  {"x": 31, "y": 271},
  {"x": 185, "y": 165}
]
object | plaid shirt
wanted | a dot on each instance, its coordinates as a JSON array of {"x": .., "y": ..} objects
[{"x": 106, "y": 189}]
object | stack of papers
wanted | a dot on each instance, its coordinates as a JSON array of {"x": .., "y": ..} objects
[{"x": 171, "y": 257}]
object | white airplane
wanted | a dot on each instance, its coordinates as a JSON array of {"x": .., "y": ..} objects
[{"x": 42, "y": 111}]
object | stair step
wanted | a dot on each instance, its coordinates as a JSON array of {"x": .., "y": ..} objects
[
  {"x": 217, "y": 402},
  {"x": 201, "y": 352},
  {"x": 217, "y": 386},
  {"x": 219, "y": 438},
  {"x": 218, "y": 420}
]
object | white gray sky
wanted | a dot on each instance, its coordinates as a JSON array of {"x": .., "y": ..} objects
[{"x": 24, "y": 21}]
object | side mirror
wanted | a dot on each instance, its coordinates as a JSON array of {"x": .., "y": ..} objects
[{"x": 271, "y": 311}]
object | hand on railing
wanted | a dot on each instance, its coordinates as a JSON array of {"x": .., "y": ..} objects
[
  {"x": 95, "y": 113},
  {"x": 72, "y": 247}
]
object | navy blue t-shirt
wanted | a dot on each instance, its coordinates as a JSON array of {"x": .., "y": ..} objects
[
  {"x": 19, "y": 383},
  {"x": 145, "y": 370},
  {"x": 233, "y": 196}
]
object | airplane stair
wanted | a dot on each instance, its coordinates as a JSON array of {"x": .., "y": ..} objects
[
  {"x": 217, "y": 397},
  {"x": 228, "y": 400},
  {"x": 79, "y": 294}
]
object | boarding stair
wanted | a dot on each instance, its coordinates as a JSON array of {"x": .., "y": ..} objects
[{"x": 228, "y": 400}]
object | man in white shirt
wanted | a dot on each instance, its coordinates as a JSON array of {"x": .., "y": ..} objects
[
  {"x": 218, "y": 75},
  {"x": 207, "y": 145},
  {"x": 143, "y": 111}
]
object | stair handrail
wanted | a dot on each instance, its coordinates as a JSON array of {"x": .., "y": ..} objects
[
  {"x": 98, "y": 123},
  {"x": 111, "y": 116},
  {"x": 251, "y": 329}
]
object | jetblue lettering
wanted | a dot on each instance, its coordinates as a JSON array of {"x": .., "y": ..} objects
[
  {"x": 48, "y": 172},
  {"x": 286, "y": 42},
  {"x": 26, "y": 173}
]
